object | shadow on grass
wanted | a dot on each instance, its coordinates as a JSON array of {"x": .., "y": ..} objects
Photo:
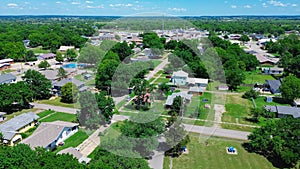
[
  {"x": 280, "y": 100},
  {"x": 270, "y": 156}
]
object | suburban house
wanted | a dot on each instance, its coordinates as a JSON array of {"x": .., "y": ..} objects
[
  {"x": 76, "y": 154},
  {"x": 12, "y": 128},
  {"x": 223, "y": 87},
  {"x": 52, "y": 74},
  {"x": 273, "y": 71},
  {"x": 180, "y": 78},
  {"x": 51, "y": 134},
  {"x": 150, "y": 53},
  {"x": 65, "y": 48},
  {"x": 196, "y": 91},
  {"x": 58, "y": 85},
  {"x": 274, "y": 86},
  {"x": 186, "y": 97},
  {"x": 7, "y": 78},
  {"x": 284, "y": 111},
  {"x": 5, "y": 63},
  {"x": 266, "y": 60},
  {"x": 296, "y": 103},
  {"x": 47, "y": 56}
]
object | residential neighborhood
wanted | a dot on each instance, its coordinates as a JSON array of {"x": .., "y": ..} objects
[{"x": 155, "y": 92}]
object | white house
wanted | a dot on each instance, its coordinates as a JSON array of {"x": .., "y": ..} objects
[
  {"x": 50, "y": 134},
  {"x": 180, "y": 78}
]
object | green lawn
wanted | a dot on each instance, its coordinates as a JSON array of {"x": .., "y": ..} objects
[
  {"x": 39, "y": 50},
  {"x": 236, "y": 127},
  {"x": 157, "y": 107},
  {"x": 255, "y": 77},
  {"x": 237, "y": 108},
  {"x": 214, "y": 156},
  {"x": 73, "y": 141},
  {"x": 56, "y": 102},
  {"x": 162, "y": 80},
  {"x": 156, "y": 62},
  {"x": 60, "y": 116},
  {"x": 45, "y": 113},
  {"x": 260, "y": 102}
]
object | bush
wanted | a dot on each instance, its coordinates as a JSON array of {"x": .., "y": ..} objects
[{"x": 251, "y": 94}]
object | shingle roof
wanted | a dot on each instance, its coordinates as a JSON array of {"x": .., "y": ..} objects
[
  {"x": 182, "y": 94},
  {"x": 196, "y": 89},
  {"x": 10, "y": 127},
  {"x": 75, "y": 153},
  {"x": 68, "y": 80},
  {"x": 180, "y": 74},
  {"x": 285, "y": 110},
  {"x": 46, "y": 133},
  {"x": 274, "y": 84},
  {"x": 5, "y": 78}
]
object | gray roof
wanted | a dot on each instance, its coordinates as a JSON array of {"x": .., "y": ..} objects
[
  {"x": 182, "y": 94},
  {"x": 10, "y": 127},
  {"x": 52, "y": 74},
  {"x": 180, "y": 74},
  {"x": 46, "y": 133},
  {"x": 274, "y": 84},
  {"x": 196, "y": 89},
  {"x": 7, "y": 78},
  {"x": 284, "y": 110},
  {"x": 68, "y": 80},
  {"x": 76, "y": 154}
]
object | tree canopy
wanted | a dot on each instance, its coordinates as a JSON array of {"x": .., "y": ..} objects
[{"x": 69, "y": 93}]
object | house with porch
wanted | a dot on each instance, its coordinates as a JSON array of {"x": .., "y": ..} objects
[
  {"x": 49, "y": 135},
  {"x": 274, "y": 86},
  {"x": 13, "y": 128},
  {"x": 180, "y": 78},
  {"x": 7, "y": 78},
  {"x": 272, "y": 71}
]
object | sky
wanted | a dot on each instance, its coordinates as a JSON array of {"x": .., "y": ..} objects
[{"x": 146, "y": 7}]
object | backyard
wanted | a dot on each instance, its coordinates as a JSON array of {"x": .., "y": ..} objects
[
  {"x": 256, "y": 77},
  {"x": 214, "y": 155}
]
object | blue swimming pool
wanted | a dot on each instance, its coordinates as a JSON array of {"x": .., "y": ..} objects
[{"x": 73, "y": 65}]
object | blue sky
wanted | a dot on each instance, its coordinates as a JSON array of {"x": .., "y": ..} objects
[{"x": 133, "y": 7}]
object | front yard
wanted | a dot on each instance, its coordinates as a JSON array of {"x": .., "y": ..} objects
[
  {"x": 73, "y": 141},
  {"x": 56, "y": 102},
  {"x": 214, "y": 156},
  {"x": 60, "y": 116}
]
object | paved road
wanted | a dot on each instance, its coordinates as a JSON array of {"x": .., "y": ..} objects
[
  {"x": 157, "y": 68},
  {"x": 211, "y": 131},
  {"x": 157, "y": 161},
  {"x": 55, "y": 108}
]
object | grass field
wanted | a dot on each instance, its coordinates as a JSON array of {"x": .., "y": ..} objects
[
  {"x": 39, "y": 50},
  {"x": 162, "y": 80},
  {"x": 236, "y": 127},
  {"x": 156, "y": 62},
  {"x": 214, "y": 156},
  {"x": 73, "y": 141},
  {"x": 60, "y": 116},
  {"x": 45, "y": 113},
  {"x": 255, "y": 77},
  {"x": 260, "y": 102},
  {"x": 56, "y": 102},
  {"x": 237, "y": 108}
]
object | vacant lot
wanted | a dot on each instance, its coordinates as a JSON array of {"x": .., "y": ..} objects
[
  {"x": 214, "y": 156},
  {"x": 56, "y": 102}
]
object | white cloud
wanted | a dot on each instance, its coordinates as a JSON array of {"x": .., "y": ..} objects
[
  {"x": 277, "y": 3},
  {"x": 89, "y": 2},
  {"x": 120, "y": 5},
  {"x": 11, "y": 5},
  {"x": 248, "y": 6},
  {"x": 58, "y": 2},
  {"x": 26, "y": 3},
  {"x": 75, "y": 3},
  {"x": 294, "y": 5},
  {"x": 264, "y": 5},
  {"x": 177, "y": 9},
  {"x": 233, "y": 6},
  {"x": 95, "y": 7}
]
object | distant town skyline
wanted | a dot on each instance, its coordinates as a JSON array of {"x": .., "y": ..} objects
[{"x": 136, "y": 7}]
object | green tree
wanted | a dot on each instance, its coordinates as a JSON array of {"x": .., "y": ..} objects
[
  {"x": 1, "y": 138},
  {"x": 251, "y": 94},
  {"x": 112, "y": 56},
  {"x": 69, "y": 93},
  {"x": 278, "y": 140},
  {"x": 91, "y": 54},
  {"x": 106, "y": 106},
  {"x": 290, "y": 88},
  {"x": 141, "y": 90},
  {"x": 44, "y": 65},
  {"x": 123, "y": 50},
  {"x": 258, "y": 113},
  {"x": 38, "y": 83},
  {"x": 30, "y": 56},
  {"x": 105, "y": 72},
  {"x": 62, "y": 73},
  {"x": 71, "y": 55},
  {"x": 59, "y": 58},
  {"x": 244, "y": 38}
]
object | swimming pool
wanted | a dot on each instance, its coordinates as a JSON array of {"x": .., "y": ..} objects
[{"x": 73, "y": 65}]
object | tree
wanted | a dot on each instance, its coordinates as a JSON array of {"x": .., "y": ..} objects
[
  {"x": 244, "y": 38},
  {"x": 110, "y": 55},
  {"x": 62, "y": 73},
  {"x": 59, "y": 58},
  {"x": 106, "y": 106},
  {"x": 176, "y": 139},
  {"x": 278, "y": 140},
  {"x": 88, "y": 115},
  {"x": 30, "y": 56},
  {"x": 71, "y": 55},
  {"x": 44, "y": 65},
  {"x": 177, "y": 105},
  {"x": 251, "y": 94},
  {"x": 290, "y": 88},
  {"x": 164, "y": 88},
  {"x": 91, "y": 55},
  {"x": 69, "y": 93},
  {"x": 1, "y": 138},
  {"x": 258, "y": 113},
  {"x": 123, "y": 50},
  {"x": 141, "y": 90},
  {"x": 38, "y": 83},
  {"x": 105, "y": 72}
]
